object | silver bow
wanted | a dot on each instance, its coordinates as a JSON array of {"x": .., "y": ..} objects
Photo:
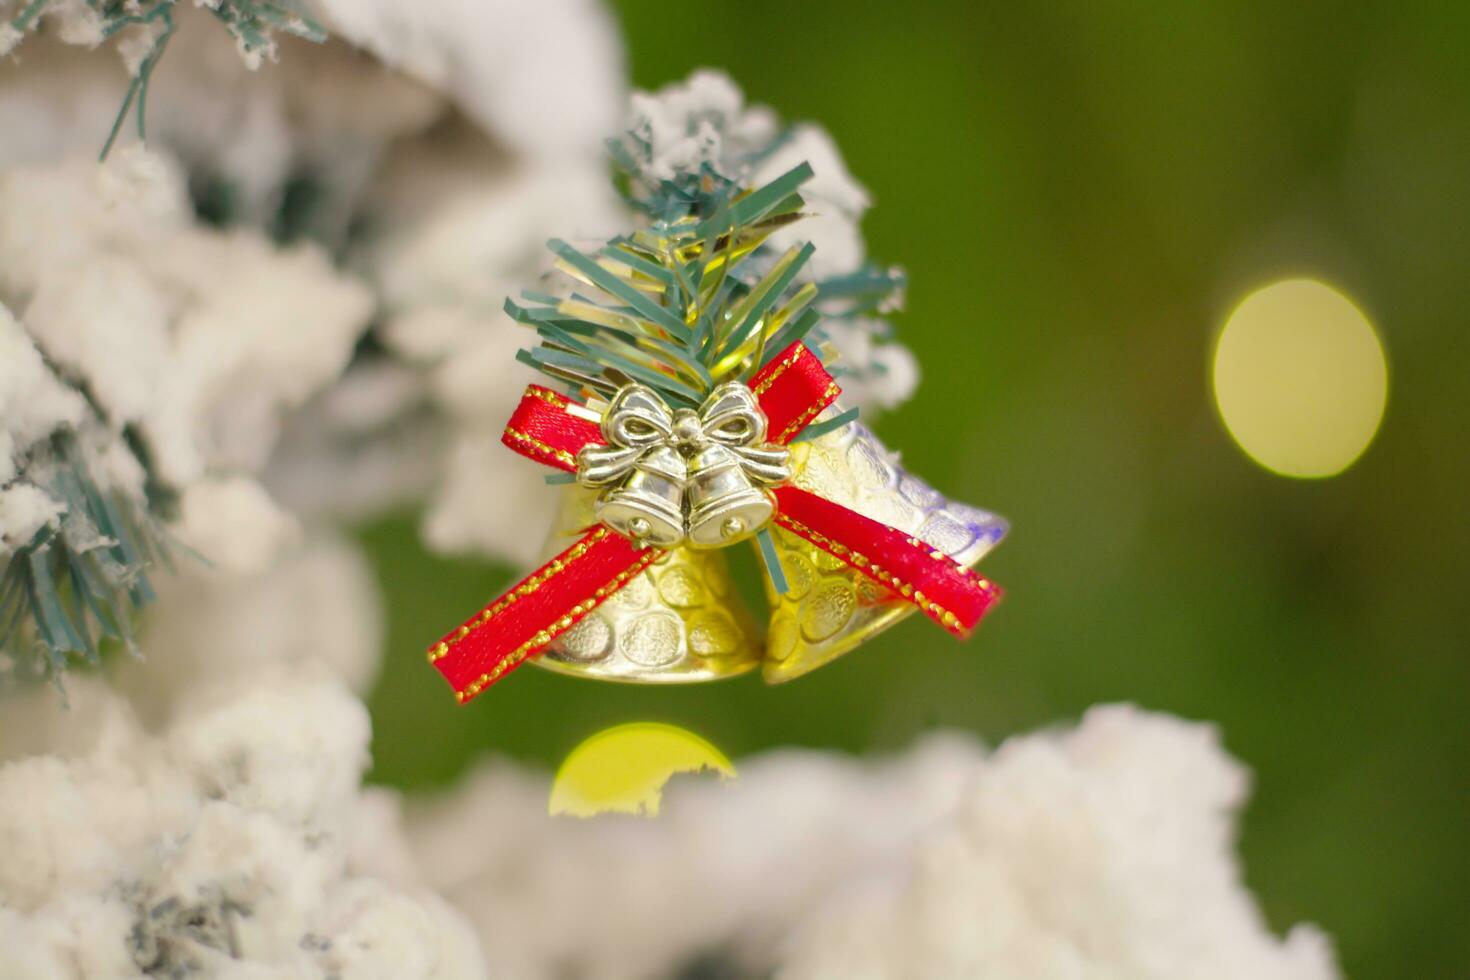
[
  {"x": 638, "y": 421},
  {"x": 651, "y": 450}
]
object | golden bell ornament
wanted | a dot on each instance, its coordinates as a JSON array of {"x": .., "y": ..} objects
[
  {"x": 829, "y": 608},
  {"x": 679, "y": 621},
  {"x": 682, "y": 349}
]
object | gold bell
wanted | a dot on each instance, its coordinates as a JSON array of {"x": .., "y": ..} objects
[
  {"x": 679, "y": 621},
  {"x": 829, "y": 607}
]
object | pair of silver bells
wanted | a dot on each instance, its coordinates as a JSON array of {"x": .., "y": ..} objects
[{"x": 672, "y": 477}]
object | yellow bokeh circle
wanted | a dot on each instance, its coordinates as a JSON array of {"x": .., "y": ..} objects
[
  {"x": 623, "y": 769},
  {"x": 1300, "y": 378}
]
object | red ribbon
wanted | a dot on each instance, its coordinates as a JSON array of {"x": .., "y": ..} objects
[
  {"x": 541, "y": 429},
  {"x": 542, "y": 606},
  {"x": 943, "y": 589},
  {"x": 792, "y": 390}
]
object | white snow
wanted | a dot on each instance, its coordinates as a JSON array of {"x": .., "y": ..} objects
[
  {"x": 218, "y": 846},
  {"x": 200, "y": 339},
  {"x": 1102, "y": 851},
  {"x": 543, "y": 76},
  {"x": 33, "y": 402},
  {"x": 24, "y": 510}
]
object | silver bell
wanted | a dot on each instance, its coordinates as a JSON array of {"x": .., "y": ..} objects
[
  {"x": 648, "y": 507},
  {"x": 725, "y": 506}
]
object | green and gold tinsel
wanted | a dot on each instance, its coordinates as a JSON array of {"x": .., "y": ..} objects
[{"x": 681, "y": 306}]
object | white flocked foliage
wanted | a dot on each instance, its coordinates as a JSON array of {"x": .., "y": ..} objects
[
  {"x": 1094, "y": 853},
  {"x": 217, "y": 846},
  {"x": 1104, "y": 851},
  {"x": 200, "y": 340}
]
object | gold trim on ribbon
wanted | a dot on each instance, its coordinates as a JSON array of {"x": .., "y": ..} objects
[
  {"x": 547, "y": 395},
  {"x": 544, "y": 637},
  {"x": 801, "y": 421},
  {"x": 781, "y": 368},
  {"x": 539, "y": 446},
  {"x": 949, "y": 620},
  {"x": 555, "y": 567}
]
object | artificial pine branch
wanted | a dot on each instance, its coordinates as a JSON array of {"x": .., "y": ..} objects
[
  {"x": 678, "y": 306},
  {"x": 252, "y": 23},
  {"x": 709, "y": 189},
  {"x": 83, "y": 576}
]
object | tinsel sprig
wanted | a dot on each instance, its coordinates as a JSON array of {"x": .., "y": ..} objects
[
  {"x": 868, "y": 293},
  {"x": 680, "y": 306}
]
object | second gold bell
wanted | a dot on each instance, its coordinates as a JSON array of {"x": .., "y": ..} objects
[{"x": 829, "y": 608}]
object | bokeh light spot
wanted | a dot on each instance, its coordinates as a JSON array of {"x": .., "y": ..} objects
[
  {"x": 1300, "y": 378},
  {"x": 623, "y": 769}
]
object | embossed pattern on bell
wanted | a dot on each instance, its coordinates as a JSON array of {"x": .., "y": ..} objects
[
  {"x": 654, "y": 640},
  {"x": 588, "y": 641},
  {"x": 714, "y": 634},
  {"x": 829, "y": 607},
  {"x": 682, "y": 588},
  {"x": 680, "y": 621}
]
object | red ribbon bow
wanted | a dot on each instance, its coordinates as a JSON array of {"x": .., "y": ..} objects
[{"x": 792, "y": 390}]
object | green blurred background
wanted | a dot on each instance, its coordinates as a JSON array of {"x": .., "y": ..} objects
[{"x": 1081, "y": 193}]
